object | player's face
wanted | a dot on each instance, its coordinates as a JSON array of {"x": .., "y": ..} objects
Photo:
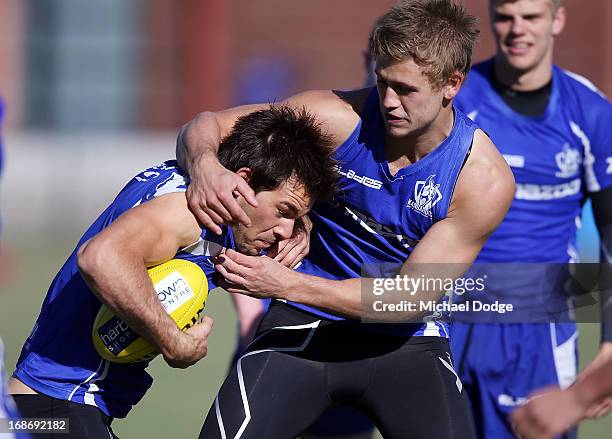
[
  {"x": 273, "y": 218},
  {"x": 524, "y": 32},
  {"x": 408, "y": 102}
]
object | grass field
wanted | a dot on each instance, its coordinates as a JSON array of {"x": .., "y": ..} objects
[{"x": 176, "y": 405}]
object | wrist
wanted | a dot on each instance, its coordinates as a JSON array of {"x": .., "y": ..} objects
[
  {"x": 581, "y": 396},
  {"x": 291, "y": 289},
  {"x": 173, "y": 345}
]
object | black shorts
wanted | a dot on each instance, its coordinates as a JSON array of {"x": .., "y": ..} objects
[
  {"x": 299, "y": 365},
  {"x": 85, "y": 422}
]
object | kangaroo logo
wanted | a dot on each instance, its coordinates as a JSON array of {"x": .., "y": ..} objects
[
  {"x": 568, "y": 161},
  {"x": 426, "y": 195}
]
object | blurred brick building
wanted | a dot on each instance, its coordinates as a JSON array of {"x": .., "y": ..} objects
[{"x": 140, "y": 64}]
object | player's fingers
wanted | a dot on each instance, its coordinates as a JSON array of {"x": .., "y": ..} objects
[
  {"x": 231, "y": 287},
  {"x": 246, "y": 191},
  {"x": 245, "y": 261},
  {"x": 230, "y": 277},
  {"x": 208, "y": 222},
  {"x": 284, "y": 247},
  {"x": 234, "y": 211},
  {"x": 216, "y": 208},
  {"x": 277, "y": 248},
  {"x": 599, "y": 411},
  {"x": 295, "y": 256}
]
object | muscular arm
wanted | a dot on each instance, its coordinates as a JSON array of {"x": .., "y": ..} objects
[
  {"x": 602, "y": 210},
  {"x": 552, "y": 411},
  {"x": 113, "y": 263},
  {"x": 454, "y": 241},
  {"x": 212, "y": 190}
]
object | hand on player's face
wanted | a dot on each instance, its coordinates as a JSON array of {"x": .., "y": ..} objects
[
  {"x": 274, "y": 218},
  {"x": 212, "y": 195},
  {"x": 524, "y": 31},
  {"x": 290, "y": 252}
]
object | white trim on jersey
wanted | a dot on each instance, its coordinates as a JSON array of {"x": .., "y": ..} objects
[
  {"x": 432, "y": 330},
  {"x": 204, "y": 248},
  {"x": 589, "y": 158},
  {"x": 565, "y": 357},
  {"x": 586, "y": 82},
  {"x": 169, "y": 186},
  {"x": 245, "y": 402},
  {"x": 88, "y": 398},
  {"x": 78, "y": 386}
]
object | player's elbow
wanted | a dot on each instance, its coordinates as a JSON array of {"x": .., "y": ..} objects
[{"x": 91, "y": 256}]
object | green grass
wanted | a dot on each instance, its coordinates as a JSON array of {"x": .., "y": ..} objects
[{"x": 179, "y": 399}]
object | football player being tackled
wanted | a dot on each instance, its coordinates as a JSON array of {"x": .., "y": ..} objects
[{"x": 286, "y": 160}]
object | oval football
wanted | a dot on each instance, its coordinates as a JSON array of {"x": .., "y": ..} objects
[{"x": 182, "y": 289}]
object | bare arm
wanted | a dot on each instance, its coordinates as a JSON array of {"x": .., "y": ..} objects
[
  {"x": 113, "y": 263},
  {"x": 454, "y": 241},
  {"x": 212, "y": 191},
  {"x": 552, "y": 411},
  {"x": 602, "y": 211}
]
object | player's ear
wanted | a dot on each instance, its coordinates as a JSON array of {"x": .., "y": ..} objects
[
  {"x": 245, "y": 173},
  {"x": 559, "y": 18},
  {"x": 453, "y": 85}
]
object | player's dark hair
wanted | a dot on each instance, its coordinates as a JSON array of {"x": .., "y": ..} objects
[{"x": 279, "y": 143}]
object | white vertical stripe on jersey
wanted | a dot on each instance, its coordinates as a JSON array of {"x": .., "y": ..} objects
[{"x": 589, "y": 158}]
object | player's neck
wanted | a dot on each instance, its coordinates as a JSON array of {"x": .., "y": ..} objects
[
  {"x": 523, "y": 80},
  {"x": 404, "y": 151}
]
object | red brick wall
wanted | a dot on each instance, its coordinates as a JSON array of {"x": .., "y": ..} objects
[{"x": 324, "y": 39}]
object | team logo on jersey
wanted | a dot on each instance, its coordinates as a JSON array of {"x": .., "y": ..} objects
[
  {"x": 568, "y": 161},
  {"x": 426, "y": 195}
]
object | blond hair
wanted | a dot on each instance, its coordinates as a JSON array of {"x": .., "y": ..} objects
[
  {"x": 555, "y": 4},
  {"x": 438, "y": 35}
]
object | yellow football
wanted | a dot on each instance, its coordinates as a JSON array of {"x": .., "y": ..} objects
[{"x": 181, "y": 288}]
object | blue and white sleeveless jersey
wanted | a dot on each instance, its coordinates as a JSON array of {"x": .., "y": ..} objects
[
  {"x": 378, "y": 218},
  {"x": 557, "y": 160},
  {"x": 58, "y": 358}
]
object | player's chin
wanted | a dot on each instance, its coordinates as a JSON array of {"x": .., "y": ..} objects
[{"x": 398, "y": 131}]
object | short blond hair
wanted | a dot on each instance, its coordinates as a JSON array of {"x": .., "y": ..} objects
[
  {"x": 438, "y": 35},
  {"x": 556, "y": 4}
]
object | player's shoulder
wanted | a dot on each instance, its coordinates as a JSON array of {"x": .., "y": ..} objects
[
  {"x": 337, "y": 111},
  {"x": 153, "y": 182},
  {"x": 485, "y": 176},
  {"x": 580, "y": 87}
]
